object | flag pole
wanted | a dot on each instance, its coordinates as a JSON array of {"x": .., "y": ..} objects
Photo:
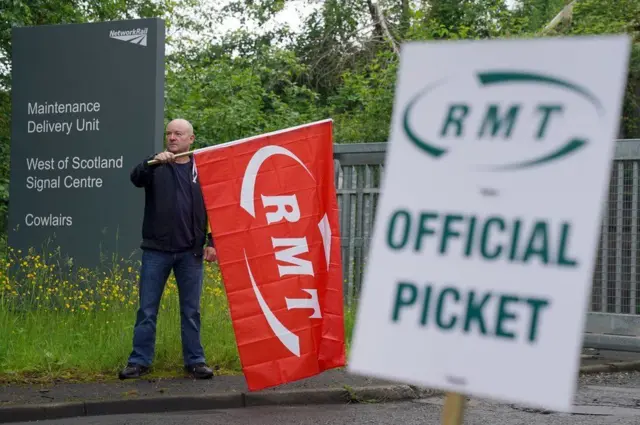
[
  {"x": 179, "y": 155},
  {"x": 245, "y": 139}
]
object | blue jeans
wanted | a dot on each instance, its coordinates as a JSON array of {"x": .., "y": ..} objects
[{"x": 188, "y": 270}]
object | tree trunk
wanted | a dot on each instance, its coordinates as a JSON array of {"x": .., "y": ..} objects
[{"x": 379, "y": 33}]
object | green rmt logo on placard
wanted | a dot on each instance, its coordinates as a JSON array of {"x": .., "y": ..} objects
[{"x": 499, "y": 121}]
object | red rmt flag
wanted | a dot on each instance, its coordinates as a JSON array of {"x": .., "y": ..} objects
[{"x": 273, "y": 211}]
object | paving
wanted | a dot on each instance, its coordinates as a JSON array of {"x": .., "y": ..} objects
[
  {"x": 601, "y": 399},
  {"x": 65, "y": 400},
  {"x": 156, "y": 387}
]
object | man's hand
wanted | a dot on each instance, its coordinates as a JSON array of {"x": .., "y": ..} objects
[
  {"x": 210, "y": 254},
  {"x": 164, "y": 157}
]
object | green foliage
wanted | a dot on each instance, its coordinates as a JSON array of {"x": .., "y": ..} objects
[
  {"x": 230, "y": 98},
  {"x": 593, "y": 17},
  {"x": 362, "y": 106},
  {"x": 62, "y": 325},
  {"x": 534, "y": 15},
  {"x": 342, "y": 64}
]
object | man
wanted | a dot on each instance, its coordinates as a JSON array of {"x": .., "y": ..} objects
[{"x": 174, "y": 237}]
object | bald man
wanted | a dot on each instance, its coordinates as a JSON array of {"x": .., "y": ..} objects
[{"x": 174, "y": 237}]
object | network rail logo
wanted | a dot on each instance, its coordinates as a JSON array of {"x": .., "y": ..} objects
[{"x": 136, "y": 36}]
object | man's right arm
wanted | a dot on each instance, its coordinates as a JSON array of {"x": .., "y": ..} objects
[{"x": 141, "y": 173}]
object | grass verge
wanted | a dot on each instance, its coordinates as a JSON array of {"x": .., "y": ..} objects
[{"x": 74, "y": 326}]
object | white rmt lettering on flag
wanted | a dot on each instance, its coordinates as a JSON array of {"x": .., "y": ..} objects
[{"x": 272, "y": 206}]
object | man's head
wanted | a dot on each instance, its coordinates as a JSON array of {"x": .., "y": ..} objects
[{"x": 179, "y": 136}]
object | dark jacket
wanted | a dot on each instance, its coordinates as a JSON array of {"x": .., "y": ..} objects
[{"x": 160, "y": 186}]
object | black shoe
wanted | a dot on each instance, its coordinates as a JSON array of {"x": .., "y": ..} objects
[
  {"x": 200, "y": 371},
  {"x": 133, "y": 371}
]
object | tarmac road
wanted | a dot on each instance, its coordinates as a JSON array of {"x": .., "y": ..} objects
[
  {"x": 602, "y": 400},
  {"x": 407, "y": 413}
]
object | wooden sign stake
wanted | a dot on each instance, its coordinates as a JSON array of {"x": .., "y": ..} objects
[{"x": 453, "y": 410}]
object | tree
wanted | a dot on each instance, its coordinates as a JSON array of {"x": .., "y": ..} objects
[{"x": 342, "y": 64}]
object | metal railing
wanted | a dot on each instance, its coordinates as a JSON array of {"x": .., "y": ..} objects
[{"x": 613, "y": 321}]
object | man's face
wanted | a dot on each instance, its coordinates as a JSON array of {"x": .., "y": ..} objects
[{"x": 179, "y": 137}]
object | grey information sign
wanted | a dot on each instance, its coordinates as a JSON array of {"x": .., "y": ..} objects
[{"x": 88, "y": 104}]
